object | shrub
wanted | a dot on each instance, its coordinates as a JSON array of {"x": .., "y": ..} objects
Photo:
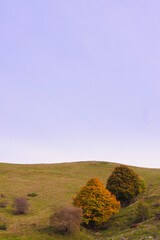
[
  {"x": 20, "y": 205},
  {"x": 142, "y": 212},
  {"x": 125, "y": 184},
  {"x": 3, "y": 204},
  {"x": 142, "y": 185},
  {"x": 3, "y": 224},
  {"x": 66, "y": 219},
  {"x": 97, "y": 203},
  {"x": 32, "y": 194}
]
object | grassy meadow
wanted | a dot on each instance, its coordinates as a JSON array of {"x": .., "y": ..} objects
[{"x": 55, "y": 185}]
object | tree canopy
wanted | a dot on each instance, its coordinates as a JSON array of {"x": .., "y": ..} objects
[{"x": 97, "y": 202}]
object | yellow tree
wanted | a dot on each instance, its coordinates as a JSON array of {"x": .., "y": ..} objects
[{"x": 97, "y": 203}]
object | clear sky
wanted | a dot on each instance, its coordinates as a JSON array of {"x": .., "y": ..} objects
[{"x": 80, "y": 80}]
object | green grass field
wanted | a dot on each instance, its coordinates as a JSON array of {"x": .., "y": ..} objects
[{"x": 55, "y": 185}]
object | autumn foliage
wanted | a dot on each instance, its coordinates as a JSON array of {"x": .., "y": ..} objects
[
  {"x": 97, "y": 203},
  {"x": 125, "y": 184}
]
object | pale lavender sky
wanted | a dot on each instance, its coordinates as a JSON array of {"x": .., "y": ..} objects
[{"x": 80, "y": 80}]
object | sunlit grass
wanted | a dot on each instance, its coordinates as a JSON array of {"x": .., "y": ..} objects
[{"x": 55, "y": 185}]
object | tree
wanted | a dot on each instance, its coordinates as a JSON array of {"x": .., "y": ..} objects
[
  {"x": 125, "y": 184},
  {"x": 97, "y": 203}
]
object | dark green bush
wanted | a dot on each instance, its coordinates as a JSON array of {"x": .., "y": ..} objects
[
  {"x": 66, "y": 219},
  {"x": 32, "y": 194},
  {"x": 3, "y": 226},
  {"x": 125, "y": 184}
]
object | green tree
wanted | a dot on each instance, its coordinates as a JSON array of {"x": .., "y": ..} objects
[{"x": 125, "y": 184}]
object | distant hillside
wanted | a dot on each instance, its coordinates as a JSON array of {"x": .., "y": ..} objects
[{"x": 55, "y": 185}]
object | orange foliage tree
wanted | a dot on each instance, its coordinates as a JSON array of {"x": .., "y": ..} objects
[{"x": 97, "y": 203}]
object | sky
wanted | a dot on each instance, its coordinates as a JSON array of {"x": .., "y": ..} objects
[{"x": 80, "y": 81}]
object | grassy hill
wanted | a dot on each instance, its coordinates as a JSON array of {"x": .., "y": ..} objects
[{"x": 55, "y": 185}]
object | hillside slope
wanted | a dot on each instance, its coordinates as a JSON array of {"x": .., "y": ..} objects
[{"x": 55, "y": 185}]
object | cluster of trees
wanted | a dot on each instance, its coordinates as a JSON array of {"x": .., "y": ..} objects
[
  {"x": 97, "y": 202},
  {"x": 94, "y": 204}
]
